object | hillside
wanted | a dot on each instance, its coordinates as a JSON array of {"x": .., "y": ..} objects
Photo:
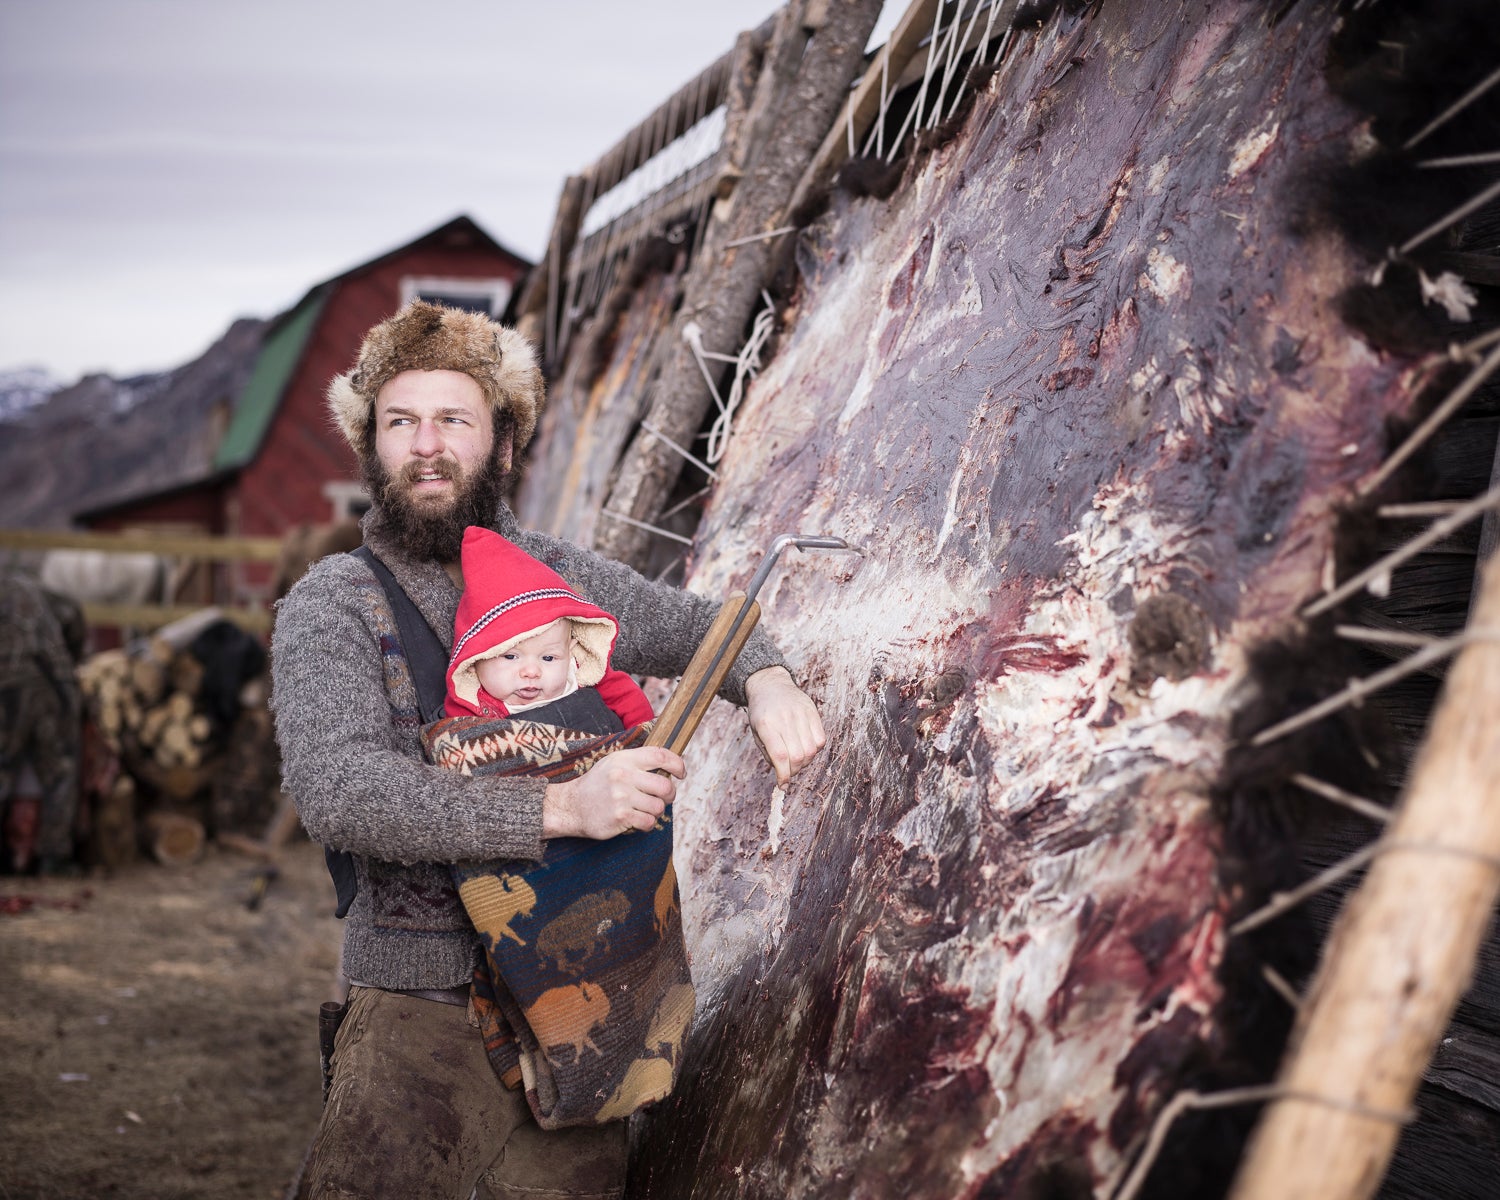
[{"x": 104, "y": 439}]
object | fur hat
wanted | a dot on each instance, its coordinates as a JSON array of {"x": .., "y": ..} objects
[
  {"x": 508, "y": 596},
  {"x": 430, "y": 337}
]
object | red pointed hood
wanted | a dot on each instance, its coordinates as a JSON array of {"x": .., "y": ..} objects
[{"x": 509, "y": 595}]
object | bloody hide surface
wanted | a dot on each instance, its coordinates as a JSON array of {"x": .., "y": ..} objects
[{"x": 1086, "y": 401}]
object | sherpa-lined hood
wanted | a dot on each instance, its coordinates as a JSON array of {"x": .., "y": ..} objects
[
  {"x": 508, "y": 595},
  {"x": 430, "y": 337}
]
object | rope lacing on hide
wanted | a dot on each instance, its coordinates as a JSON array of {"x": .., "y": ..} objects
[
  {"x": 747, "y": 365},
  {"x": 945, "y": 49}
]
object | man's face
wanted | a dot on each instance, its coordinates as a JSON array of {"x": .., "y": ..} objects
[
  {"x": 534, "y": 669},
  {"x": 432, "y": 428},
  {"x": 436, "y": 468}
]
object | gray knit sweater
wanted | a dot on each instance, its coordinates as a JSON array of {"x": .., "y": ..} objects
[{"x": 347, "y": 721}]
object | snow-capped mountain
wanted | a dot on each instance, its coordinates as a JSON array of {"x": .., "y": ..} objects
[{"x": 23, "y": 388}]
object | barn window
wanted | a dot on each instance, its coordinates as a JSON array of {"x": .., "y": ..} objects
[
  {"x": 488, "y": 296},
  {"x": 346, "y": 498}
]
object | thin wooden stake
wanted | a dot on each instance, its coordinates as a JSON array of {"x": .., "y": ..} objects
[
  {"x": 1421, "y": 509},
  {"x": 1453, "y": 218},
  {"x": 692, "y": 458},
  {"x": 1280, "y": 986},
  {"x": 1286, "y": 901},
  {"x": 1431, "y": 536},
  {"x": 1463, "y": 160},
  {"x": 685, "y": 501},
  {"x": 1433, "y": 422},
  {"x": 1360, "y": 689},
  {"x": 1454, "y": 109},
  {"x": 1337, "y": 795},
  {"x": 1385, "y": 637},
  {"x": 760, "y": 237},
  {"x": 646, "y": 525},
  {"x": 1465, "y": 351}
]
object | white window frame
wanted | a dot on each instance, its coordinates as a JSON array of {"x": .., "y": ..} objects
[
  {"x": 495, "y": 291},
  {"x": 342, "y": 496}
]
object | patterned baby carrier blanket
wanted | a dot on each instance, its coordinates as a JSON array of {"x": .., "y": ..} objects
[{"x": 584, "y": 985}]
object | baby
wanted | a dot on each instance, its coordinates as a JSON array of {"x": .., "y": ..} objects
[
  {"x": 531, "y": 672},
  {"x": 525, "y": 642},
  {"x": 602, "y": 914}
]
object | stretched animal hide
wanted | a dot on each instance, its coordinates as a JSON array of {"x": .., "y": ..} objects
[
  {"x": 1080, "y": 397},
  {"x": 1086, "y": 402}
]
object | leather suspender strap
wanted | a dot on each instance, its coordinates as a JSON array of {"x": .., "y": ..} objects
[
  {"x": 425, "y": 656},
  {"x": 428, "y": 663}
]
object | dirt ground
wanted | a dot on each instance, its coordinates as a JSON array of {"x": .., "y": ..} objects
[{"x": 160, "y": 1037}]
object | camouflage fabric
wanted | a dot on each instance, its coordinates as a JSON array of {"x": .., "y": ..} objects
[
  {"x": 40, "y": 709},
  {"x": 584, "y": 984}
]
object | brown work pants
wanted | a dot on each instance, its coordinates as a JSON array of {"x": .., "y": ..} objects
[{"x": 416, "y": 1111}]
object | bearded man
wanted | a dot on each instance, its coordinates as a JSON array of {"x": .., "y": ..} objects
[{"x": 436, "y": 406}]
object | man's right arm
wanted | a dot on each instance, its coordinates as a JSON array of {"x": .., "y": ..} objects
[
  {"x": 355, "y": 773},
  {"x": 624, "y": 791}
]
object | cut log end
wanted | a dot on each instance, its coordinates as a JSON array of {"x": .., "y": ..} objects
[{"x": 173, "y": 839}]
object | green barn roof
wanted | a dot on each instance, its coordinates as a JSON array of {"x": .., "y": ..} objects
[{"x": 279, "y": 355}]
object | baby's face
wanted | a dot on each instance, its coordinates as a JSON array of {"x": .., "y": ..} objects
[{"x": 531, "y": 670}]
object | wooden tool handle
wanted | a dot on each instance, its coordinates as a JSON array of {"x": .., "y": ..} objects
[{"x": 684, "y": 711}]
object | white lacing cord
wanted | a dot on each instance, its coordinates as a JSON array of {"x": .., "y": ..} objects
[{"x": 747, "y": 365}]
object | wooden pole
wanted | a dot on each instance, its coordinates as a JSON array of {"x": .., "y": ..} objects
[
  {"x": 170, "y": 545},
  {"x": 685, "y": 711},
  {"x": 801, "y": 86},
  {"x": 863, "y": 105},
  {"x": 1400, "y": 955}
]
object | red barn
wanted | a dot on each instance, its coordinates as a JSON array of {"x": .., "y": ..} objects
[{"x": 280, "y": 461}]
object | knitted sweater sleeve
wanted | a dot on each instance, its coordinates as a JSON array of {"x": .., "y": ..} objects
[
  {"x": 660, "y": 626},
  {"x": 347, "y": 724}
]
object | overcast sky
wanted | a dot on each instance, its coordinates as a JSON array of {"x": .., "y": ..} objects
[{"x": 168, "y": 165}]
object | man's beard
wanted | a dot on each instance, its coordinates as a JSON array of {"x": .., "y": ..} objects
[{"x": 434, "y": 528}]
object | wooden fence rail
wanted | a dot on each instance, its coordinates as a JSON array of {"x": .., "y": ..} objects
[
  {"x": 196, "y": 547},
  {"x": 169, "y": 545}
]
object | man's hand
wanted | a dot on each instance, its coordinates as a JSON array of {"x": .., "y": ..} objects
[
  {"x": 784, "y": 720},
  {"x": 618, "y": 793}
]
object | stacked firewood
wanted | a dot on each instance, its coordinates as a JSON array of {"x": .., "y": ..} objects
[
  {"x": 153, "y": 713},
  {"x": 144, "y": 703}
]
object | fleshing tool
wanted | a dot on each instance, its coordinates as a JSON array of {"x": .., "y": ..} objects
[{"x": 737, "y": 619}]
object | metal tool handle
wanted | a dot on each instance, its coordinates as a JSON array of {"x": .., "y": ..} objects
[{"x": 727, "y": 636}]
